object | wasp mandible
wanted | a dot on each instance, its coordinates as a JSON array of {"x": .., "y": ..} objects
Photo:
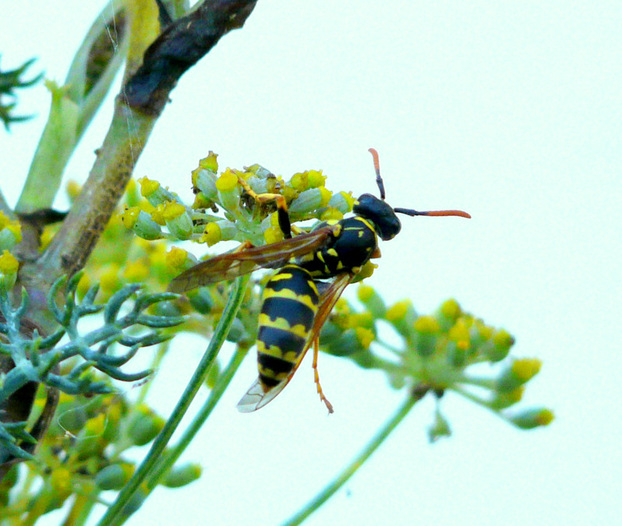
[{"x": 313, "y": 270}]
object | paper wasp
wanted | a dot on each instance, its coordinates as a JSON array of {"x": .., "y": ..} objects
[{"x": 314, "y": 269}]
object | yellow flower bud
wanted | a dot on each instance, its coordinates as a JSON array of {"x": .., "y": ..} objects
[
  {"x": 517, "y": 373},
  {"x": 212, "y": 234},
  {"x": 425, "y": 336},
  {"x": 83, "y": 285},
  {"x": 114, "y": 476},
  {"x": 504, "y": 400},
  {"x": 503, "y": 339},
  {"x": 299, "y": 181},
  {"x": 173, "y": 210},
  {"x": 526, "y": 368},
  {"x": 459, "y": 333},
  {"x": 8, "y": 263},
  {"x": 144, "y": 426},
  {"x": 227, "y": 181},
  {"x": 10, "y": 233},
  {"x": 4, "y": 220},
  {"x": 364, "y": 292},
  {"x": 482, "y": 331},
  {"x": 450, "y": 309},
  {"x": 158, "y": 215},
  {"x": 326, "y": 195},
  {"x": 201, "y": 201},
  {"x": 148, "y": 186},
  {"x": 176, "y": 258},
  {"x": 426, "y": 325},
  {"x": 366, "y": 271},
  {"x": 182, "y": 475},
  {"x": 331, "y": 213},
  {"x": 136, "y": 271},
  {"x": 95, "y": 426},
  {"x": 16, "y": 229},
  {"x": 288, "y": 192},
  {"x": 73, "y": 189},
  {"x": 109, "y": 280},
  {"x": 130, "y": 216},
  {"x": 60, "y": 480},
  {"x": 398, "y": 310},
  {"x": 210, "y": 162},
  {"x": 315, "y": 178},
  {"x": 364, "y": 336},
  {"x": 534, "y": 417},
  {"x": 349, "y": 199},
  {"x": 273, "y": 234}
]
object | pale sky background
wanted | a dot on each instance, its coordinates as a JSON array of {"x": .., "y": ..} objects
[{"x": 509, "y": 110}]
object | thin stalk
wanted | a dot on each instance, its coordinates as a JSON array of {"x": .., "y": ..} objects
[
  {"x": 115, "y": 514},
  {"x": 486, "y": 404},
  {"x": 72, "y": 109},
  {"x": 82, "y": 506},
  {"x": 155, "y": 365},
  {"x": 221, "y": 385},
  {"x": 4, "y": 206},
  {"x": 356, "y": 463}
]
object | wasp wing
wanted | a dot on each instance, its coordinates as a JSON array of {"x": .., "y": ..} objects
[
  {"x": 255, "y": 398},
  {"x": 233, "y": 264}
]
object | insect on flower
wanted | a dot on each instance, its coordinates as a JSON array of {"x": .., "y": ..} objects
[{"x": 313, "y": 270}]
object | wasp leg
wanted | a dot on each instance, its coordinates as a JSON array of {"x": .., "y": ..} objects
[
  {"x": 316, "y": 351},
  {"x": 281, "y": 206}
]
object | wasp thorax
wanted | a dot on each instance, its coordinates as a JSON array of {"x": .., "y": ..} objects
[{"x": 379, "y": 213}]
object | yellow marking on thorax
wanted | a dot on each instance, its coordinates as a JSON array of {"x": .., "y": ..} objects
[{"x": 281, "y": 276}]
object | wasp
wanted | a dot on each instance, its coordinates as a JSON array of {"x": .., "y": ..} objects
[{"x": 312, "y": 271}]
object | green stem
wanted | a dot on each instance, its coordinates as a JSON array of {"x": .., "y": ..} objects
[
  {"x": 4, "y": 206},
  {"x": 72, "y": 108},
  {"x": 479, "y": 381},
  {"x": 155, "y": 365},
  {"x": 83, "y": 503},
  {"x": 389, "y": 347},
  {"x": 475, "y": 398},
  {"x": 219, "y": 388},
  {"x": 356, "y": 463},
  {"x": 115, "y": 514}
]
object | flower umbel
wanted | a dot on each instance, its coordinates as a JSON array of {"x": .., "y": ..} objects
[{"x": 441, "y": 351}]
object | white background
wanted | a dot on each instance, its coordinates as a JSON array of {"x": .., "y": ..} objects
[{"x": 510, "y": 110}]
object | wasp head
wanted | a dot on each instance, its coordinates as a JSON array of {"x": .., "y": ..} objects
[{"x": 380, "y": 214}]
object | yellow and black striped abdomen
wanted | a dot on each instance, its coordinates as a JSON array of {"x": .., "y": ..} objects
[{"x": 290, "y": 303}]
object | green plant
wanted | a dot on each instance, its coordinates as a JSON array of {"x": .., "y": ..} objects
[{"x": 65, "y": 426}]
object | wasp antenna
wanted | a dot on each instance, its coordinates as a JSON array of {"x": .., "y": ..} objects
[
  {"x": 379, "y": 181},
  {"x": 456, "y": 213}
]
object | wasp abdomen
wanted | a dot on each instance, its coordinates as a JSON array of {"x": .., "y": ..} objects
[{"x": 290, "y": 303}]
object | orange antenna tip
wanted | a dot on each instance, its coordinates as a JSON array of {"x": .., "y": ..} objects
[
  {"x": 379, "y": 182},
  {"x": 437, "y": 213},
  {"x": 457, "y": 213}
]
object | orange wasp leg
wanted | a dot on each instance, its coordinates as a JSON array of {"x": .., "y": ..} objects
[
  {"x": 281, "y": 206},
  {"x": 316, "y": 351}
]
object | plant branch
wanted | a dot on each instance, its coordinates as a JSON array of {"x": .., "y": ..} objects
[
  {"x": 142, "y": 99},
  {"x": 181, "y": 45},
  {"x": 358, "y": 461},
  {"x": 222, "y": 383},
  {"x": 73, "y": 105},
  {"x": 4, "y": 206},
  {"x": 116, "y": 513}
]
